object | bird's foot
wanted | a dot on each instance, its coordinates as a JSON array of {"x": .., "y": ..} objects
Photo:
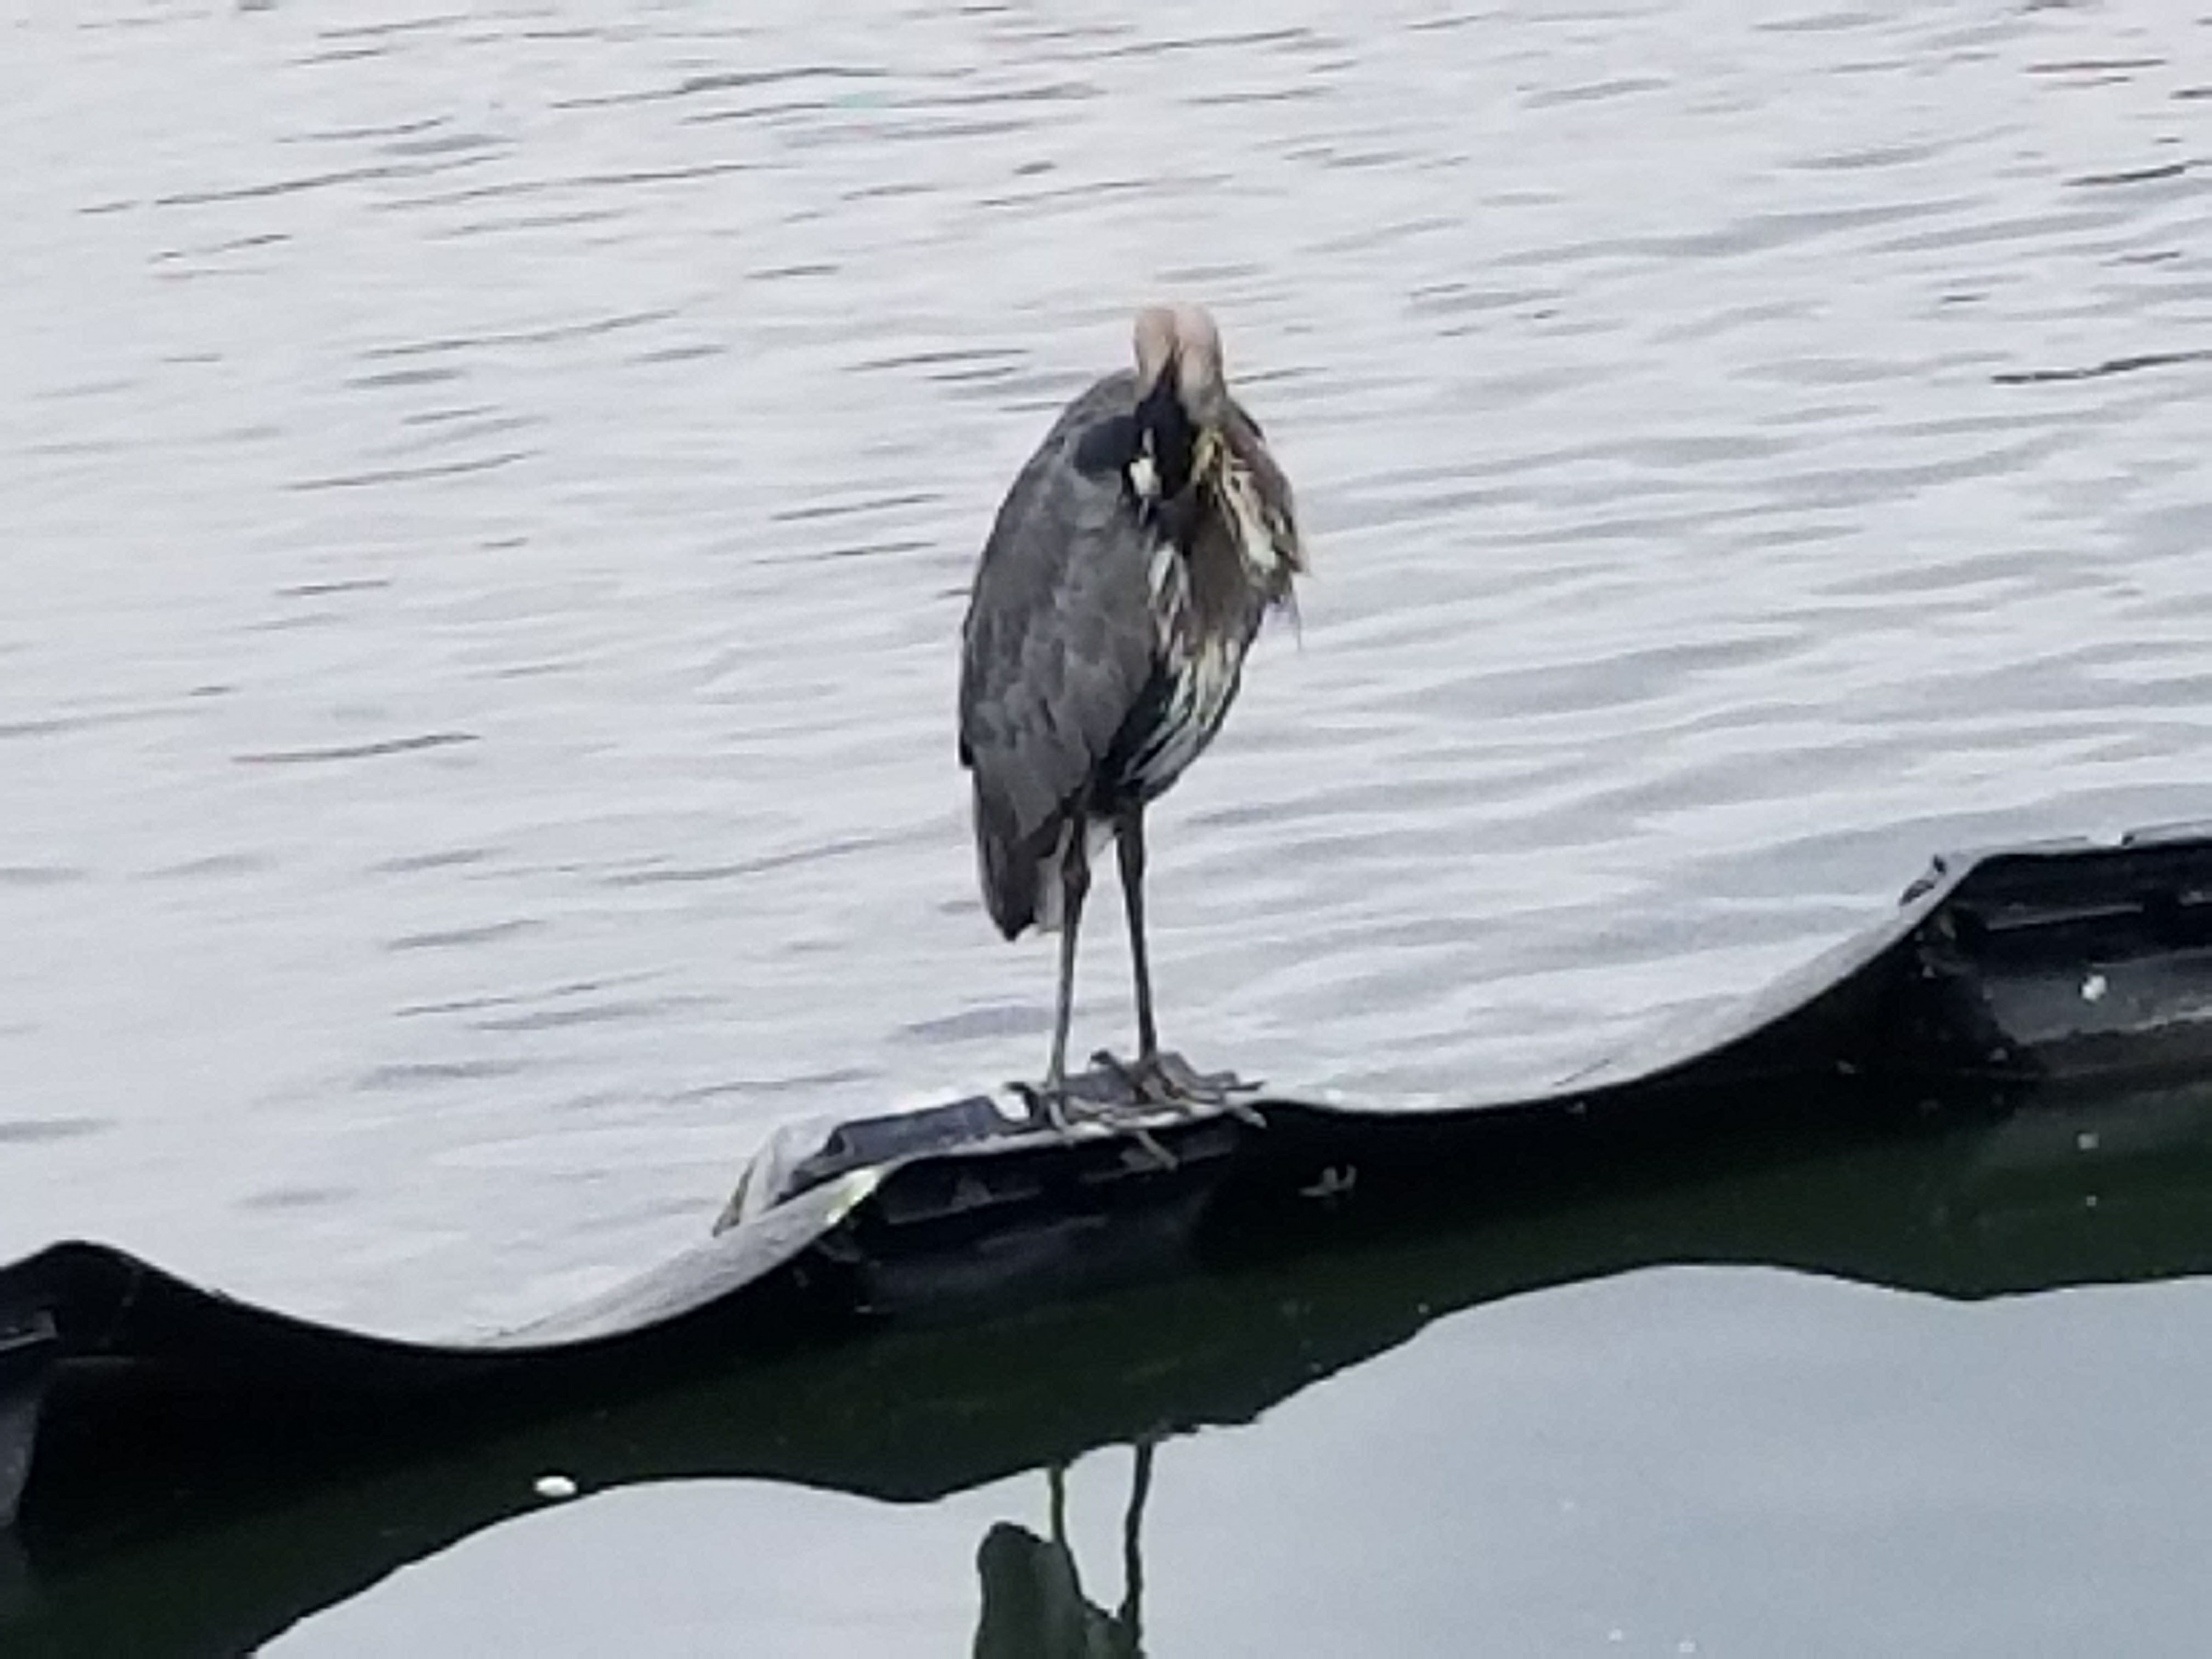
[
  {"x": 1166, "y": 1080},
  {"x": 1058, "y": 1108}
]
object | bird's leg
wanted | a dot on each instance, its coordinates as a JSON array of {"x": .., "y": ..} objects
[
  {"x": 1129, "y": 848},
  {"x": 1074, "y": 884},
  {"x": 1052, "y": 1100},
  {"x": 1154, "y": 1077}
]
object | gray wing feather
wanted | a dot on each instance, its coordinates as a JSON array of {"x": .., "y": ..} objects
[{"x": 1057, "y": 650}]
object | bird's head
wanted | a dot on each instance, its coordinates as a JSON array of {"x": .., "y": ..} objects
[{"x": 1182, "y": 396}]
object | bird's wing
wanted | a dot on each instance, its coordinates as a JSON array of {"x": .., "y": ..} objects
[{"x": 1059, "y": 644}]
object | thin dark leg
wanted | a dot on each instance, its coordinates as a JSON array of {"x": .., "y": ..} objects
[
  {"x": 1130, "y": 842},
  {"x": 1153, "y": 1076},
  {"x": 1053, "y": 1098},
  {"x": 1130, "y": 1615},
  {"x": 1074, "y": 882}
]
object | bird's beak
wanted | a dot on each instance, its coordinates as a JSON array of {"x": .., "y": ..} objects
[{"x": 1206, "y": 453}]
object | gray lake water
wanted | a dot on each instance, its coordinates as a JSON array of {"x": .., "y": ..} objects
[{"x": 490, "y": 495}]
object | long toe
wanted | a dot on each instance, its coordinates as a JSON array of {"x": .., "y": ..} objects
[
  {"x": 1146, "y": 1081},
  {"x": 1169, "y": 1080},
  {"x": 1178, "y": 1075},
  {"x": 1071, "y": 1115},
  {"x": 1211, "y": 1088},
  {"x": 1049, "y": 1105},
  {"x": 1221, "y": 1090},
  {"x": 1135, "y": 1081}
]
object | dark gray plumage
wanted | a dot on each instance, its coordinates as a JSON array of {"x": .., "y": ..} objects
[{"x": 1130, "y": 567}]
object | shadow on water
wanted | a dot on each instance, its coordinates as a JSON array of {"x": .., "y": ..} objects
[{"x": 230, "y": 1532}]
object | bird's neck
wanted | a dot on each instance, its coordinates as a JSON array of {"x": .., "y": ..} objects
[{"x": 1168, "y": 441}]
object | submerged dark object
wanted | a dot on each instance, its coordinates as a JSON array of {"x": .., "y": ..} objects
[{"x": 1026, "y": 1297}]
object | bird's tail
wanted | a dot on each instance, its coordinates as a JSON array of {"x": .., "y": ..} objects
[
  {"x": 1025, "y": 877},
  {"x": 1008, "y": 865}
]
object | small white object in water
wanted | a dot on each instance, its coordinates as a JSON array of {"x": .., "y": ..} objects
[
  {"x": 555, "y": 1485},
  {"x": 2085, "y": 1141},
  {"x": 2094, "y": 989}
]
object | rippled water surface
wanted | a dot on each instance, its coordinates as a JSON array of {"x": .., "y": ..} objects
[{"x": 490, "y": 495}]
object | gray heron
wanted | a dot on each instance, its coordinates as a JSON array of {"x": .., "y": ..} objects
[{"x": 1126, "y": 574}]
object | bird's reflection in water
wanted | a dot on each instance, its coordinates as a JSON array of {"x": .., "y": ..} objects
[{"x": 1034, "y": 1606}]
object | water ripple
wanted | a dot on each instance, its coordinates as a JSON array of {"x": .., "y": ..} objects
[
  {"x": 1742, "y": 453},
  {"x": 349, "y": 752}
]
